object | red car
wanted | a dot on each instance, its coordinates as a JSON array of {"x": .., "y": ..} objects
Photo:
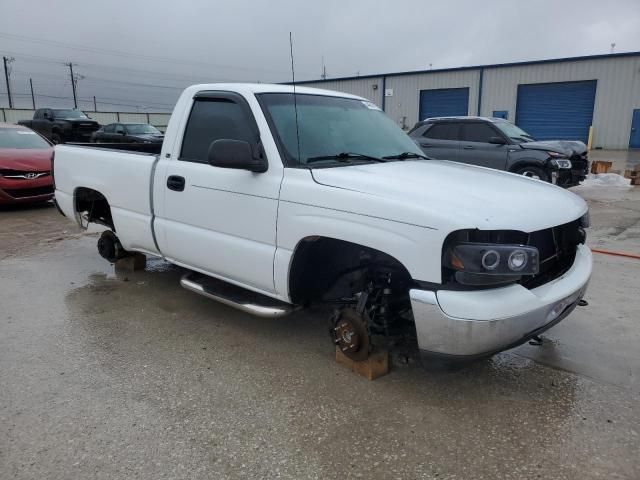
[{"x": 25, "y": 166}]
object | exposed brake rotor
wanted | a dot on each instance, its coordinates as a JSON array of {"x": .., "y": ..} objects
[{"x": 349, "y": 332}]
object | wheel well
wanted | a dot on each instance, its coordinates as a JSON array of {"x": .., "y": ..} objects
[
  {"x": 93, "y": 207},
  {"x": 527, "y": 163},
  {"x": 325, "y": 268}
]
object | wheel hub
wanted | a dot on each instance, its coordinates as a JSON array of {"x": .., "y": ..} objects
[{"x": 350, "y": 334}]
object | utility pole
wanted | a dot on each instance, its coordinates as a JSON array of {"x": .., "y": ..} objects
[
  {"x": 33, "y": 97},
  {"x": 95, "y": 105},
  {"x": 73, "y": 85},
  {"x": 6, "y": 61},
  {"x": 323, "y": 75}
]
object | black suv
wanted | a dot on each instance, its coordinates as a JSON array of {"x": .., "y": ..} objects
[
  {"x": 62, "y": 125},
  {"x": 499, "y": 144}
]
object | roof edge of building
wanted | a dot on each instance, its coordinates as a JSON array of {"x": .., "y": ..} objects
[{"x": 473, "y": 67}]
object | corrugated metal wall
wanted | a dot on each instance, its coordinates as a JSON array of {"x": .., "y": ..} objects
[
  {"x": 403, "y": 106},
  {"x": 369, "y": 88},
  {"x": 159, "y": 120},
  {"x": 617, "y": 94}
]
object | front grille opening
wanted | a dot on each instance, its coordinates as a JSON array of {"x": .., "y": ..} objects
[
  {"x": 28, "y": 192},
  {"x": 557, "y": 247}
]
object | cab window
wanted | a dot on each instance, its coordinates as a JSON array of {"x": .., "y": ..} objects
[{"x": 213, "y": 119}]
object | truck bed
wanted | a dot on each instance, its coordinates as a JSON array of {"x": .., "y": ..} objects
[
  {"x": 153, "y": 148},
  {"x": 123, "y": 177}
]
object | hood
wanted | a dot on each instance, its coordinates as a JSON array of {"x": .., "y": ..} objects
[
  {"x": 567, "y": 147},
  {"x": 37, "y": 160},
  {"x": 449, "y": 196}
]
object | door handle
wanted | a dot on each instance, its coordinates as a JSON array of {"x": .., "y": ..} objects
[
  {"x": 175, "y": 183},
  {"x": 469, "y": 147},
  {"x": 425, "y": 144}
]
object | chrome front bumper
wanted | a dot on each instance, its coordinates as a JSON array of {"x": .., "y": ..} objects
[{"x": 467, "y": 324}]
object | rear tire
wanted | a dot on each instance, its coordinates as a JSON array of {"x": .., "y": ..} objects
[
  {"x": 56, "y": 139},
  {"x": 533, "y": 172},
  {"x": 110, "y": 248}
]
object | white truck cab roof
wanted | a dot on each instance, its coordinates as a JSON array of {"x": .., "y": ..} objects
[{"x": 245, "y": 88}]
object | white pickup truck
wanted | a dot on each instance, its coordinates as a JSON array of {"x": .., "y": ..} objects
[{"x": 275, "y": 200}]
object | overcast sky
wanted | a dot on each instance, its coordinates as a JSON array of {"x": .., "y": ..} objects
[{"x": 142, "y": 53}]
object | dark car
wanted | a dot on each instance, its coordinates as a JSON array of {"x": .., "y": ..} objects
[
  {"x": 25, "y": 166},
  {"x": 498, "y": 143},
  {"x": 62, "y": 125},
  {"x": 128, "y": 133}
]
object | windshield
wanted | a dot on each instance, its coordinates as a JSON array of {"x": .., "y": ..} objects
[
  {"x": 22, "y": 139},
  {"x": 142, "y": 128},
  {"x": 513, "y": 132},
  {"x": 330, "y": 126},
  {"x": 69, "y": 114}
]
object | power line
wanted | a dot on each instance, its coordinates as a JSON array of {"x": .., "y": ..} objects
[
  {"x": 100, "y": 80},
  {"x": 61, "y": 62},
  {"x": 118, "y": 53},
  {"x": 89, "y": 100}
]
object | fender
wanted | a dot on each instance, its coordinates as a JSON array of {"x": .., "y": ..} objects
[
  {"x": 531, "y": 161},
  {"x": 404, "y": 243}
]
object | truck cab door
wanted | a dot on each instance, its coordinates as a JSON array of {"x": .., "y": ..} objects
[{"x": 220, "y": 221}]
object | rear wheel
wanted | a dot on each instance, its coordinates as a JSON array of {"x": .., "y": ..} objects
[
  {"x": 110, "y": 248},
  {"x": 56, "y": 138},
  {"x": 533, "y": 172}
]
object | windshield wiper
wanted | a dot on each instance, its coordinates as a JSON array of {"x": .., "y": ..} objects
[
  {"x": 343, "y": 157},
  {"x": 405, "y": 155}
]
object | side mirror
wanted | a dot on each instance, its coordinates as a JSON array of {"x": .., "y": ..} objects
[
  {"x": 497, "y": 140},
  {"x": 123, "y": 133},
  {"x": 226, "y": 153}
]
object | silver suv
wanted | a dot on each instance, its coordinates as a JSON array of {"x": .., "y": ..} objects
[{"x": 497, "y": 143}]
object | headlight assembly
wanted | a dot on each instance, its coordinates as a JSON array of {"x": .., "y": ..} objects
[
  {"x": 493, "y": 259},
  {"x": 562, "y": 163},
  {"x": 491, "y": 264}
]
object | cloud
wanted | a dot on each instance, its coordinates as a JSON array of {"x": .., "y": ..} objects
[{"x": 142, "y": 53}]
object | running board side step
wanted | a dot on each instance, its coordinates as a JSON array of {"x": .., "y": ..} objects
[{"x": 236, "y": 297}]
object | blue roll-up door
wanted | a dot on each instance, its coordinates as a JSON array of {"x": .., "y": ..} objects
[
  {"x": 556, "y": 111},
  {"x": 444, "y": 102}
]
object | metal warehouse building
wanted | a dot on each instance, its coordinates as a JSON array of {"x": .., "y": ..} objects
[{"x": 551, "y": 99}]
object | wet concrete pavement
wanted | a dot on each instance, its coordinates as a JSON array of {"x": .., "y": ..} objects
[{"x": 130, "y": 376}]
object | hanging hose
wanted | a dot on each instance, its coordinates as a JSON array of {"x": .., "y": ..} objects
[{"x": 617, "y": 254}]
